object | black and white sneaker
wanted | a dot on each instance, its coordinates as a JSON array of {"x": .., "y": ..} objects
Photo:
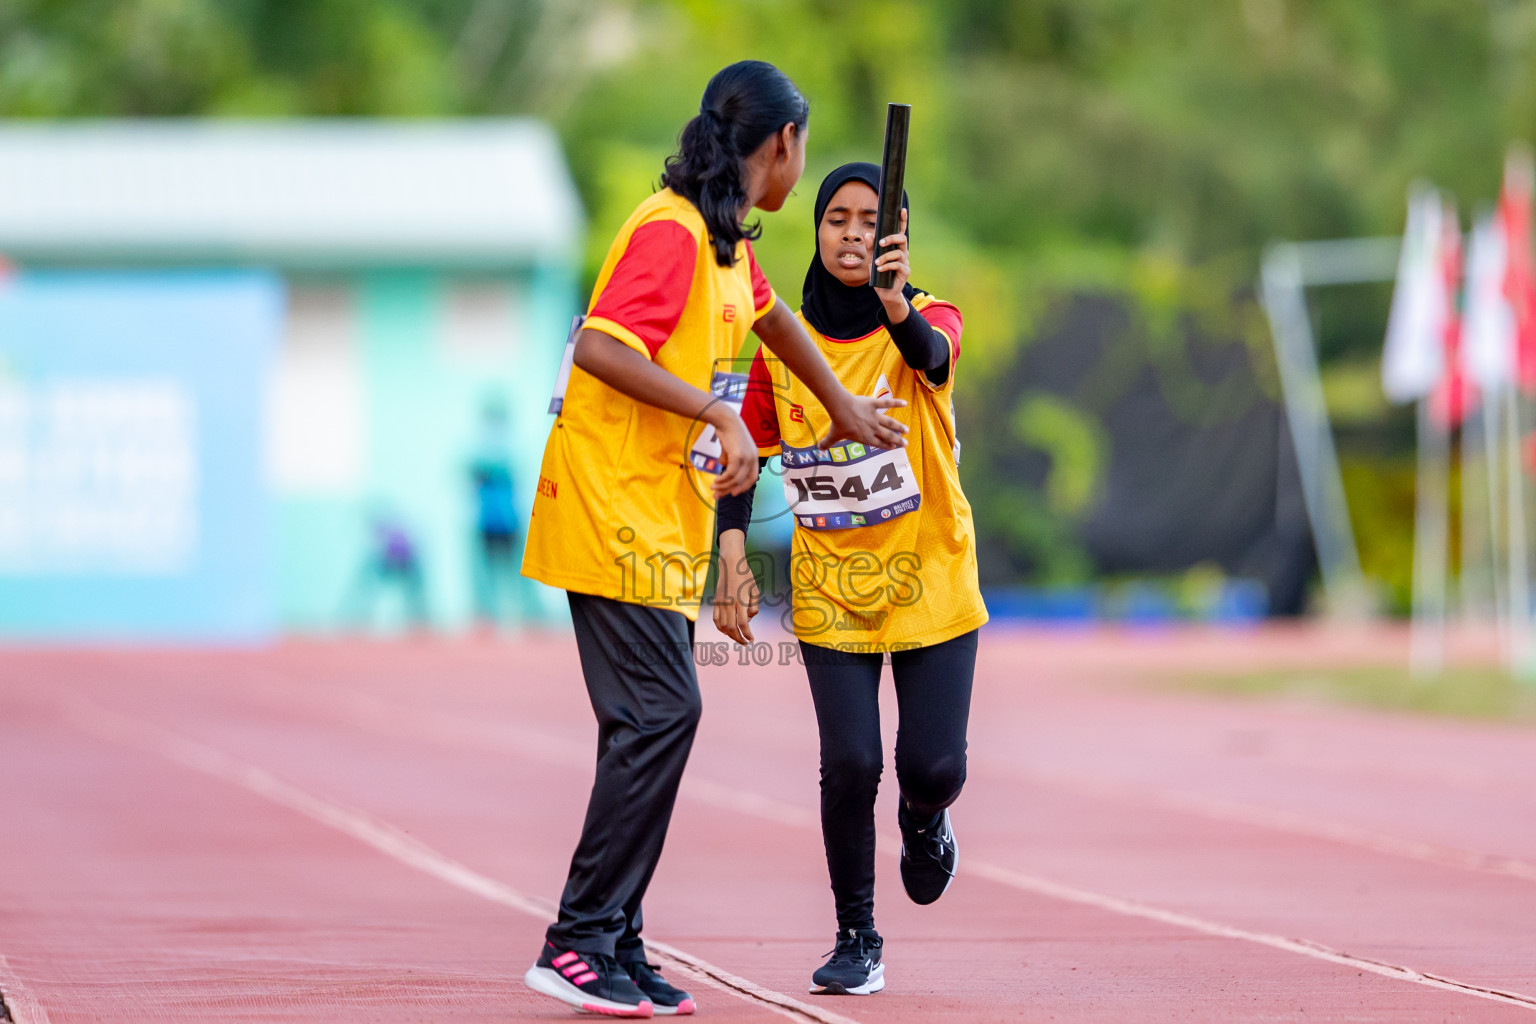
[
  {"x": 929, "y": 856},
  {"x": 667, "y": 999},
  {"x": 591, "y": 982},
  {"x": 855, "y": 968}
]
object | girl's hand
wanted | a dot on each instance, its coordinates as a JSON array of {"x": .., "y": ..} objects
[
  {"x": 862, "y": 418},
  {"x": 736, "y": 593},
  {"x": 737, "y": 450},
  {"x": 897, "y": 261}
]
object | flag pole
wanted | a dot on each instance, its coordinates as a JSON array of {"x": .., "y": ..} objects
[
  {"x": 1430, "y": 540},
  {"x": 1519, "y": 566},
  {"x": 1477, "y": 577},
  {"x": 1492, "y": 407}
]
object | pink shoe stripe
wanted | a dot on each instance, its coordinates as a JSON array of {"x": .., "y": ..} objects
[
  {"x": 643, "y": 1010},
  {"x": 589, "y": 976},
  {"x": 575, "y": 968},
  {"x": 565, "y": 958}
]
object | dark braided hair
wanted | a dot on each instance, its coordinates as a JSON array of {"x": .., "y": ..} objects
[{"x": 743, "y": 105}]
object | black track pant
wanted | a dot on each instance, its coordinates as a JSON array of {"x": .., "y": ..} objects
[
  {"x": 638, "y": 664},
  {"x": 933, "y": 702}
]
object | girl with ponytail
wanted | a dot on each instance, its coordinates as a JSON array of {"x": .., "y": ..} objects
[
  {"x": 742, "y": 106},
  {"x": 647, "y": 438}
]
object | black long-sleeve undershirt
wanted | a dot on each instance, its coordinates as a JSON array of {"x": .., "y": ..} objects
[
  {"x": 920, "y": 345},
  {"x": 734, "y": 511}
]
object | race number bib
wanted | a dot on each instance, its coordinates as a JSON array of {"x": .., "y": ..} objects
[
  {"x": 850, "y": 484},
  {"x": 730, "y": 388}
]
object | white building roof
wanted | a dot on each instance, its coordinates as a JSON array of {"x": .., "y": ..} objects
[{"x": 319, "y": 193}]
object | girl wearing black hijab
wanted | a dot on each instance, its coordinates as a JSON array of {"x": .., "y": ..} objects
[{"x": 883, "y": 563}]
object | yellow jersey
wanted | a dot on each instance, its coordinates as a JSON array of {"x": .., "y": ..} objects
[
  {"x": 884, "y": 549},
  {"x": 621, "y": 510}
]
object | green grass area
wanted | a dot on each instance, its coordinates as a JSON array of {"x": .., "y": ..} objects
[{"x": 1482, "y": 692}]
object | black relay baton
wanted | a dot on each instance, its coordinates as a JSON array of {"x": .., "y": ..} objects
[{"x": 893, "y": 181}]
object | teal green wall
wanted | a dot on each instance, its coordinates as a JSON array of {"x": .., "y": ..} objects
[
  {"x": 422, "y": 406},
  {"x": 320, "y": 545}
]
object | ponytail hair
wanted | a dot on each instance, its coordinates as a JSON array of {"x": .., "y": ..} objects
[{"x": 743, "y": 105}]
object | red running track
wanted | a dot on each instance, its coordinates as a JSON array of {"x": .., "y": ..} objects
[{"x": 375, "y": 832}]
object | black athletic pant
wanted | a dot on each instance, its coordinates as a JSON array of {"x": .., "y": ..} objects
[
  {"x": 933, "y": 701},
  {"x": 638, "y": 664}
]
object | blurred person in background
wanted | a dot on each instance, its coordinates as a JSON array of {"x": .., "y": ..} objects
[
  {"x": 392, "y": 565},
  {"x": 497, "y": 526}
]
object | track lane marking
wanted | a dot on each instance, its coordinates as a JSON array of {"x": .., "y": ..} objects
[
  {"x": 1305, "y": 947},
  {"x": 1297, "y": 823},
  {"x": 375, "y": 713},
  {"x": 396, "y": 719},
  {"x": 18, "y": 998},
  {"x": 102, "y": 722},
  {"x": 1274, "y": 819},
  {"x": 391, "y": 718}
]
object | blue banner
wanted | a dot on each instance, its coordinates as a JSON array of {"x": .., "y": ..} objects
[{"x": 133, "y": 501}]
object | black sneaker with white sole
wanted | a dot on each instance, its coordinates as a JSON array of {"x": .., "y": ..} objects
[
  {"x": 855, "y": 968},
  {"x": 667, "y": 999},
  {"x": 929, "y": 856},
  {"x": 590, "y": 982}
]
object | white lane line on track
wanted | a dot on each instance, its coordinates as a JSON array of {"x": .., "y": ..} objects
[
  {"x": 1278, "y": 820},
  {"x": 393, "y": 718},
  {"x": 1131, "y": 908},
  {"x": 391, "y": 841},
  {"x": 18, "y": 999},
  {"x": 1274, "y": 819}
]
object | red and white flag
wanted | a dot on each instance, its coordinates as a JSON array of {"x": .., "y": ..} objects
[
  {"x": 1450, "y": 399},
  {"x": 1514, "y": 220}
]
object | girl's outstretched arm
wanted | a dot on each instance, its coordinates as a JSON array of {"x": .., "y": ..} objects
[
  {"x": 630, "y": 373},
  {"x": 854, "y": 417}
]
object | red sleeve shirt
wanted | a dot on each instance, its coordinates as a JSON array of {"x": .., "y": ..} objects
[
  {"x": 760, "y": 408},
  {"x": 945, "y": 318},
  {"x": 649, "y": 286}
]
